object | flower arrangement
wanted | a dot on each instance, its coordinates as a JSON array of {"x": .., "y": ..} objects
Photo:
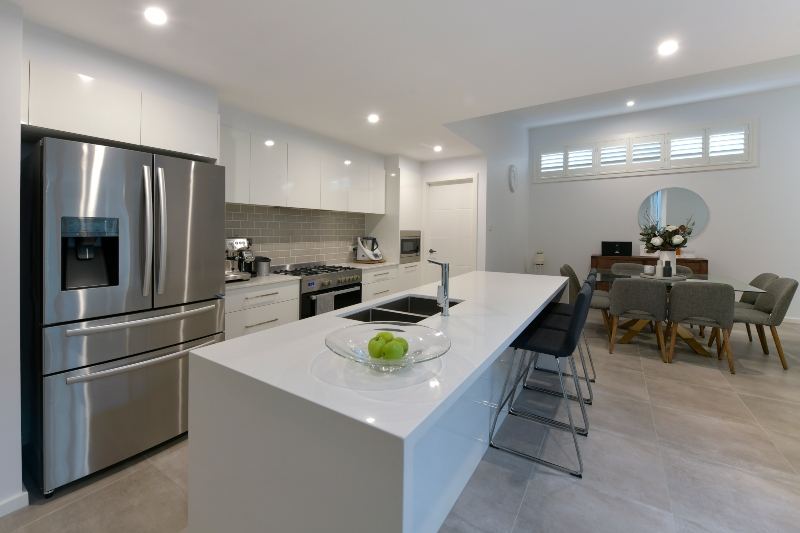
[{"x": 665, "y": 239}]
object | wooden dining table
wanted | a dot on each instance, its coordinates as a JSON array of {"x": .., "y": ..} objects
[{"x": 634, "y": 327}]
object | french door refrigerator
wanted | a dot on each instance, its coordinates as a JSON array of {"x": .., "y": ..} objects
[{"x": 123, "y": 269}]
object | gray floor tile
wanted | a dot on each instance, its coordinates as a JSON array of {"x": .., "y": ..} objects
[
  {"x": 697, "y": 399},
  {"x": 775, "y": 415}
]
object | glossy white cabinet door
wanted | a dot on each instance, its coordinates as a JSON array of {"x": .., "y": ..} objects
[
  {"x": 75, "y": 102},
  {"x": 23, "y": 100},
  {"x": 408, "y": 276},
  {"x": 175, "y": 126},
  {"x": 358, "y": 193},
  {"x": 378, "y": 289},
  {"x": 305, "y": 168},
  {"x": 335, "y": 182},
  {"x": 268, "y": 172},
  {"x": 255, "y": 319},
  {"x": 235, "y": 157},
  {"x": 377, "y": 189}
]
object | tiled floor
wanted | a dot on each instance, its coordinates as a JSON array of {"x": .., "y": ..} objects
[{"x": 682, "y": 448}]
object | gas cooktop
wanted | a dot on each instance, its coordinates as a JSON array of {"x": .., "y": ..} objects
[{"x": 319, "y": 276}]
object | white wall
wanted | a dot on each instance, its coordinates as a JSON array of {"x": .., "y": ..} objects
[
  {"x": 410, "y": 194},
  {"x": 463, "y": 167},
  {"x": 12, "y": 494},
  {"x": 45, "y": 45},
  {"x": 753, "y": 211}
]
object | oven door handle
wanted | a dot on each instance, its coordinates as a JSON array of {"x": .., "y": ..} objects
[{"x": 337, "y": 293}]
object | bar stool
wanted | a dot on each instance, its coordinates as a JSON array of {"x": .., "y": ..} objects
[{"x": 560, "y": 344}]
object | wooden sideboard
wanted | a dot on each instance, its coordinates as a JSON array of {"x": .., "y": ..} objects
[{"x": 698, "y": 265}]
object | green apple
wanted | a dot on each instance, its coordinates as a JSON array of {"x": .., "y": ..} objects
[
  {"x": 393, "y": 350},
  {"x": 375, "y": 347},
  {"x": 385, "y": 335},
  {"x": 404, "y": 342}
]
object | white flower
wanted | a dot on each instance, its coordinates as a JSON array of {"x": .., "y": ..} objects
[
  {"x": 677, "y": 239},
  {"x": 671, "y": 228},
  {"x": 656, "y": 241}
]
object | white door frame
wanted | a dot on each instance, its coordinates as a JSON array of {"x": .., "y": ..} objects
[{"x": 426, "y": 183}]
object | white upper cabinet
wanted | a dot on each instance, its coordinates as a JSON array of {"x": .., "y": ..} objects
[
  {"x": 305, "y": 168},
  {"x": 377, "y": 189},
  {"x": 77, "y": 102},
  {"x": 176, "y": 126},
  {"x": 358, "y": 197},
  {"x": 235, "y": 157},
  {"x": 268, "y": 171},
  {"x": 335, "y": 182}
]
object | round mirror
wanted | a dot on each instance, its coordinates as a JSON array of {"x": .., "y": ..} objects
[{"x": 675, "y": 206}]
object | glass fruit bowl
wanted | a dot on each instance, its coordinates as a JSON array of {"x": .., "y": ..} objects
[{"x": 353, "y": 342}]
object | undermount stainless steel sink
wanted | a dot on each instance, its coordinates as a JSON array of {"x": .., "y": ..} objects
[{"x": 412, "y": 308}]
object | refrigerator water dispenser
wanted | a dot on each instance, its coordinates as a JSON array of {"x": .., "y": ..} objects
[{"x": 89, "y": 252}]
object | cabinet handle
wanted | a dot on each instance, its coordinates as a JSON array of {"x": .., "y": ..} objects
[
  {"x": 381, "y": 274},
  {"x": 261, "y": 323},
  {"x": 382, "y": 292},
  {"x": 261, "y": 295}
]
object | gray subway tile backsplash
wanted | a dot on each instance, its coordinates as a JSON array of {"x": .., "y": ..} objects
[{"x": 290, "y": 235}]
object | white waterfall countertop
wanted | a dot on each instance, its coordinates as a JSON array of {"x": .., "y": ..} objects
[{"x": 288, "y": 436}]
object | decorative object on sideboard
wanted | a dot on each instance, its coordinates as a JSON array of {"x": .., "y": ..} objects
[
  {"x": 538, "y": 261},
  {"x": 665, "y": 206}
]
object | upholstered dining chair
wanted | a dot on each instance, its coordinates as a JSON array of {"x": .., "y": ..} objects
[
  {"x": 748, "y": 299},
  {"x": 769, "y": 310},
  {"x": 629, "y": 269},
  {"x": 643, "y": 300},
  {"x": 703, "y": 304},
  {"x": 682, "y": 270}
]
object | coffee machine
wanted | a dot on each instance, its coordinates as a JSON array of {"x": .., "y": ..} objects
[{"x": 239, "y": 260}]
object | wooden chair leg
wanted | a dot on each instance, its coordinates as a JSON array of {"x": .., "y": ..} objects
[
  {"x": 673, "y": 336},
  {"x": 702, "y": 331},
  {"x": 712, "y": 337},
  {"x": 614, "y": 321},
  {"x": 660, "y": 339},
  {"x": 606, "y": 321},
  {"x": 726, "y": 347},
  {"x": 779, "y": 346},
  {"x": 718, "y": 340},
  {"x": 763, "y": 338},
  {"x": 749, "y": 332}
]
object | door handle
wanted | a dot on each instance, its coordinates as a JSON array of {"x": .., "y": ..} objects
[
  {"x": 105, "y": 328},
  {"x": 162, "y": 236},
  {"x": 133, "y": 366},
  {"x": 147, "y": 270},
  {"x": 431, "y": 251}
]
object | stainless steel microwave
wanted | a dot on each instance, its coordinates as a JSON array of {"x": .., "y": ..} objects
[{"x": 410, "y": 242}]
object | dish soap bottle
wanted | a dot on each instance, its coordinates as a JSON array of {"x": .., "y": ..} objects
[{"x": 667, "y": 269}]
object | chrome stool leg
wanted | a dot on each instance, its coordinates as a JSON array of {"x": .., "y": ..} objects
[
  {"x": 585, "y": 378},
  {"x": 591, "y": 361},
  {"x": 571, "y": 426}
]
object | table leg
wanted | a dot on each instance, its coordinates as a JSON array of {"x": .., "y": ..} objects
[
  {"x": 634, "y": 330},
  {"x": 687, "y": 337}
]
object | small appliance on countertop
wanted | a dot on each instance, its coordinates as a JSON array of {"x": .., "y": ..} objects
[
  {"x": 238, "y": 260},
  {"x": 367, "y": 250},
  {"x": 324, "y": 287}
]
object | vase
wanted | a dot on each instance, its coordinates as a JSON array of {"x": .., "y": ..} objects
[{"x": 663, "y": 257}]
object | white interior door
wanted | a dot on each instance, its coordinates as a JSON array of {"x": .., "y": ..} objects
[{"x": 449, "y": 226}]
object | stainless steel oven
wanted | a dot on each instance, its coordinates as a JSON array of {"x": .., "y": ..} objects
[
  {"x": 410, "y": 242},
  {"x": 328, "y": 300}
]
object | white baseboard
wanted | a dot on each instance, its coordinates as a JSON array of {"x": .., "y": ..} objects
[{"x": 12, "y": 503}]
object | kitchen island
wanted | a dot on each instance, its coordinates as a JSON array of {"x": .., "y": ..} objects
[{"x": 287, "y": 436}]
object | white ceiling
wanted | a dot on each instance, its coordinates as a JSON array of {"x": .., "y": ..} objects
[{"x": 325, "y": 64}]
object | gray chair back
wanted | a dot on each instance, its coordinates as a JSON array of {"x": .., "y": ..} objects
[
  {"x": 574, "y": 283},
  {"x": 683, "y": 270},
  {"x": 639, "y": 298},
  {"x": 761, "y": 281},
  {"x": 631, "y": 269},
  {"x": 703, "y": 303},
  {"x": 777, "y": 299}
]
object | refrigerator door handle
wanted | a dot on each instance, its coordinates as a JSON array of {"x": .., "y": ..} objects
[
  {"x": 162, "y": 236},
  {"x": 148, "y": 231},
  {"x": 133, "y": 366},
  {"x": 105, "y": 328}
]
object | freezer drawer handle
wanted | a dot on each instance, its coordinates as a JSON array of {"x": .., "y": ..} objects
[
  {"x": 162, "y": 238},
  {"x": 148, "y": 231},
  {"x": 136, "y": 323},
  {"x": 262, "y": 323},
  {"x": 133, "y": 366}
]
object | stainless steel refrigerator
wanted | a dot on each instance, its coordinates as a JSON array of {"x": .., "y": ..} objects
[{"x": 123, "y": 269}]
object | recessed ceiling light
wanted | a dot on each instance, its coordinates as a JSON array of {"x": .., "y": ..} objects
[
  {"x": 85, "y": 78},
  {"x": 348, "y": 162},
  {"x": 373, "y": 118},
  {"x": 630, "y": 103},
  {"x": 437, "y": 148},
  {"x": 668, "y": 47},
  {"x": 269, "y": 142},
  {"x": 155, "y": 16}
]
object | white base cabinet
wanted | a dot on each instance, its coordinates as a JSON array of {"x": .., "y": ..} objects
[
  {"x": 378, "y": 282},
  {"x": 255, "y": 308},
  {"x": 409, "y": 276}
]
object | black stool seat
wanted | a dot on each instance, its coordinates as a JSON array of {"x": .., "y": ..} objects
[{"x": 545, "y": 340}]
